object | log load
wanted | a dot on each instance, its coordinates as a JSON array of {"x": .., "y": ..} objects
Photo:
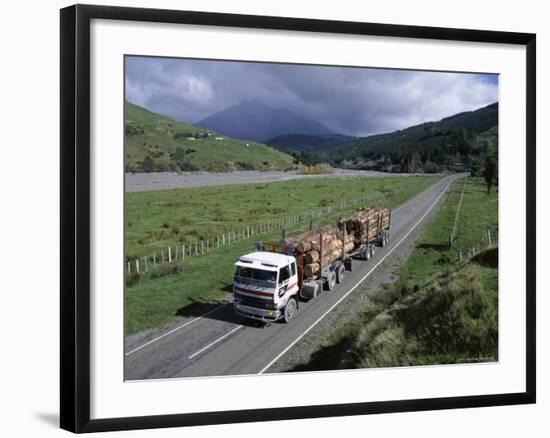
[
  {"x": 310, "y": 246},
  {"x": 366, "y": 224}
]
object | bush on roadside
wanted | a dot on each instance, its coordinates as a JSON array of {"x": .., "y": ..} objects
[{"x": 450, "y": 318}]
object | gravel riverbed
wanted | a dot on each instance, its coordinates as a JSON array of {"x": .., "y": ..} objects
[{"x": 144, "y": 182}]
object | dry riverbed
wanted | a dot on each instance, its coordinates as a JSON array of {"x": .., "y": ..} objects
[{"x": 144, "y": 182}]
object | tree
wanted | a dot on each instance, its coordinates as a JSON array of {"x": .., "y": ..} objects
[
  {"x": 148, "y": 164},
  {"x": 490, "y": 172}
]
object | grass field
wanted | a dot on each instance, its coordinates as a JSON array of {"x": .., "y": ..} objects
[
  {"x": 157, "y": 298},
  {"x": 440, "y": 310},
  {"x": 155, "y": 220},
  {"x": 167, "y": 145}
]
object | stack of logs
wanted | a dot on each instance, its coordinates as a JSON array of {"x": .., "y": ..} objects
[
  {"x": 311, "y": 246},
  {"x": 366, "y": 223}
]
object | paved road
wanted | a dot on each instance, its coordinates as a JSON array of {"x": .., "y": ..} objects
[
  {"x": 144, "y": 182},
  {"x": 221, "y": 343}
]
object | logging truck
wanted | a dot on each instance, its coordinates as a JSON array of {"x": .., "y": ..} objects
[{"x": 269, "y": 284}]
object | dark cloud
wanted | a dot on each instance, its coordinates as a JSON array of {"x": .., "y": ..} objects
[{"x": 356, "y": 101}]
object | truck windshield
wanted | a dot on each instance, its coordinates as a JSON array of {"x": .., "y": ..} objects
[{"x": 256, "y": 274}]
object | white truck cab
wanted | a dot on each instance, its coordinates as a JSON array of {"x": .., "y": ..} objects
[{"x": 265, "y": 286}]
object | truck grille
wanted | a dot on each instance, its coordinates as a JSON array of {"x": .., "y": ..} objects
[{"x": 254, "y": 302}]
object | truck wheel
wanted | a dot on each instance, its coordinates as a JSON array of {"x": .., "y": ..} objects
[
  {"x": 340, "y": 273},
  {"x": 331, "y": 280},
  {"x": 290, "y": 310}
]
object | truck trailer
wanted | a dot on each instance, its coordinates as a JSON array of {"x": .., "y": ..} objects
[{"x": 269, "y": 284}]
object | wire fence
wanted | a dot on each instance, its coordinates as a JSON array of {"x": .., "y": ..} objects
[
  {"x": 489, "y": 239},
  {"x": 453, "y": 231},
  {"x": 179, "y": 252}
]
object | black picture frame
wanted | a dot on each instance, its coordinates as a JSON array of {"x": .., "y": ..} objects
[{"x": 75, "y": 217}]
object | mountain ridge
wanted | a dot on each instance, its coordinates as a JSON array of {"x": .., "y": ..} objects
[
  {"x": 296, "y": 143},
  {"x": 254, "y": 120},
  {"x": 441, "y": 144}
]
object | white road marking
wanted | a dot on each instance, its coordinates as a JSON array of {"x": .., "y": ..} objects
[
  {"x": 215, "y": 342},
  {"x": 175, "y": 330},
  {"x": 356, "y": 285}
]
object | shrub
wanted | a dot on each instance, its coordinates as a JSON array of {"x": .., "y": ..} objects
[
  {"x": 315, "y": 169},
  {"x": 132, "y": 279},
  {"x": 244, "y": 166},
  {"x": 166, "y": 270},
  {"x": 148, "y": 164},
  {"x": 184, "y": 220}
]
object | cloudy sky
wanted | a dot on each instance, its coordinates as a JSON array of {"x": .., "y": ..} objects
[{"x": 353, "y": 101}]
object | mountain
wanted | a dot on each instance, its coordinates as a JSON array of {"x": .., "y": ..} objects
[
  {"x": 449, "y": 143},
  {"x": 296, "y": 143},
  {"x": 155, "y": 143},
  {"x": 253, "y": 120}
]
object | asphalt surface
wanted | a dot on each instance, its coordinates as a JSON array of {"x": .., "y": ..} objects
[
  {"x": 145, "y": 182},
  {"x": 216, "y": 341}
]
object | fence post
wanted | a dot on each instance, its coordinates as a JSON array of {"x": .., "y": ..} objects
[
  {"x": 183, "y": 251},
  {"x": 196, "y": 247},
  {"x": 218, "y": 241},
  {"x": 176, "y": 253},
  {"x": 129, "y": 270},
  {"x": 169, "y": 255},
  {"x": 137, "y": 266},
  {"x": 489, "y": 236},
  {"x": 145, "y": 260}
]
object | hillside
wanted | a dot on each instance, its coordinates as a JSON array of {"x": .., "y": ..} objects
[
  {"x": 253, "y": 120},
  {"x": 296, "y": 143},
  {"x": 449, "y": 143},
  {"x": 158, "y": 143}
]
